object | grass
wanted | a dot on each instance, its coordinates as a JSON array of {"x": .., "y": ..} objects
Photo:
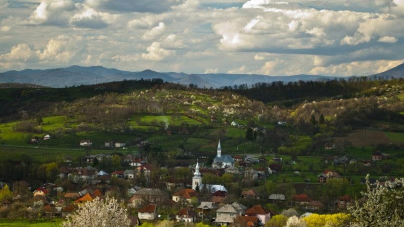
[
  {"x": 22, "y": 223},
  {"x": 401, "y": 96},
  {"x": 395, "y": 136}
]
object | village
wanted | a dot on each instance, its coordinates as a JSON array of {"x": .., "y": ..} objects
[{"x": 234, "y": 189}]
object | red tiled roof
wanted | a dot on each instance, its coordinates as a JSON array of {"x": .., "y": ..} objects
[
  {"x": 73, "y": 195},
  {"x": 151, "y": 208},
  {"x": 97, "y": 193},
  {"x": 85, "y": 198},
  {"x": 315, "y": 204},
  {"x": 249, "y": 220},
  {"x": 117, "y": 172},
  {"x": 344, "y": 198},
  {"x": 220, "y": 193},
  {"x": 257, "y": 209},
  {"x": 301, "y": 198},
  {"x": 69, "y": 208},
  {"x": 186, "y": 212},
  {"x": 186, "y": 193}
]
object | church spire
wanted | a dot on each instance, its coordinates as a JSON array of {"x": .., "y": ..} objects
[
  {"x": 197, "y": 173},
  {"x": 219, "y": 150}
]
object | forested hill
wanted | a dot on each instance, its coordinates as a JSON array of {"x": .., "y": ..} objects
[{"x": 295, "y": 92}]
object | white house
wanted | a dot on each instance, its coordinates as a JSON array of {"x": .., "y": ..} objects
[
  {"x": 148, "y": 212},
  {"x": 86, "y": 143},
  {"x": 47, "y": 137}
]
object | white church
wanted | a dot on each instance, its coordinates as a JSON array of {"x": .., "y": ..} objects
[
  {"x": 222, "y": 161},
  {"x": 197, "y": 182}
]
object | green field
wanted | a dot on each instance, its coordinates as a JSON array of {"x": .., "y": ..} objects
[
  {"x": 26, "y": 223},
  {"x": 395, "y": 136}
]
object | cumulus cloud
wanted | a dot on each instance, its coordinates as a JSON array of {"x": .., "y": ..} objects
[
  {"x": 240, "y": 70},
  {"x": 209, "y": 71},
  {"x": 157, "y": 53},
  {"x": 88, "y": 18},
  {"x": 388, "y": 39},
  {"x": 20, "y": 53},
  {"x": 52, "y": 13},
  {"x": 150, "y": 6},
  {"x": 173, "y": 41},
  {"x": 362, "y": 68},
  {"x": 5, "y": 28},
  {"x": 62, "y": 48},
  {"x": 154, "y": 32}
]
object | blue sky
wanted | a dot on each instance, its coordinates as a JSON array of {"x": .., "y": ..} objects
[{"x": 286, "y": 37}]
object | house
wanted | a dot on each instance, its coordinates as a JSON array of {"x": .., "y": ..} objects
[
  {"x": 109, "y": 144},
  {"x": 118, "y": 174},
  {"x": 232, "y": 170},
  {"x": 148, "y": 212},
  {"x": 251, "y": 174},
  {"x": 119, "y": 144},
  {"x": 86, "y": 198},
  {"x": 186, "y": 215},
  {"x": 329, "y": 146},
  {"x": 136, "y": 162},
  {"x": 260, "y": 212},
  {"x": 86, "y": 143},
  {"x": 41, "y": 192},
  {"x": 238, "y": 158},
  {"x": 51, "y": 211},
  {"x": 47, "y": 137},
  {"x": 246, "y": 221},
  {"x": 377, "y": 156},
  {"x": 301, "y": 199},
  {"x": 326, "y": 175},
  {"x": 343, "y": 201},
  {"x": 71, "y": 196},
  {"x": 129, "y": 174},
  {"x": 233, "y": 123},
  {"x": 205, "y": 208},
  {"x": 184, "y": 195},
  {"x": 228, "y": 213},
  {"x": 251, "y": 193},
  {"x": 277, "y": 198},
  {"x": 68, "y": 210},
  {"x": 314, "y": 206},
  {"x": 147, "y": 195}
]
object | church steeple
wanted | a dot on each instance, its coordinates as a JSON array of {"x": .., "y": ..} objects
[
  {"x": 219, "y": 150},
  {"x": 197, "y": 178},
  {"x": 197, "y": 173}
]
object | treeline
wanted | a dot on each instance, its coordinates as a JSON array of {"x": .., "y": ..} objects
[
  {"x": 295, "y": 92},
  {"x": 14, "y": 100}
]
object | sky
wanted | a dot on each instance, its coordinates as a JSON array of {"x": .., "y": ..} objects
[{"x": 270, "y": 37}]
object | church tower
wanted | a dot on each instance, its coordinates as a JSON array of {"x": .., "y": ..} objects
[
  {"x": 219, "y": 150},
  {"x": 197, "y": 178}
]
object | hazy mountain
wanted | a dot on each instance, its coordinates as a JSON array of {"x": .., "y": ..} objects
[
  {"x": 78, "y": 75},
  {"x": 396, "y": 72},
  {"x": 194, "y": 79}
]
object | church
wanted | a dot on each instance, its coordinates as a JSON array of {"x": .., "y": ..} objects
[{"x": 222, "y": 161}]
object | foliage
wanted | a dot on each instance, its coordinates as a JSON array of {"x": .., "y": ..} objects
[
  {"x": 99, "y": 213},
  {"x": 277, "y": 221},
  {"x": 316, "y": 220},
  {"x": 5, "y": 193},
  {"x": 294, "y": 221},
  {"x": 382, "y": 205}
]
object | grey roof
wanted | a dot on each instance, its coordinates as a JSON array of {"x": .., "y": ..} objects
[
  {"x": 239, "y": 206},
  {"x": 150, "y": 191},
  {"x": 224, "y": 158},
  {"x": 129, "y": 171},
  {"x": 228, "y": 208},
  {"x": 277, "y": 197},
  {"x": 206, "y": 205}
]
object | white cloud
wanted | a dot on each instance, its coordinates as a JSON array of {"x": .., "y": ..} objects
[
  {"x": 61, "y": 49},
  {"x": 173, "y": 41},
  {"x": 20, "y": 53},
  {"x": 88, "y": 18},
  {"x": 5, "y": 28},
  {"x": 388, "y": 39},
  {"x": 154, "y": 32},
  {"x": 151, "y": 6},
  {"x": 157, "y": 53},
  {"x": 52, "y": 13},
  {"x": 240, "y": 70},
  {"x": 209, "y": 71}
]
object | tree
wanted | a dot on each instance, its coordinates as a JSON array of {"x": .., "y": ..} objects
[
  {"x": 317, "y": 220},
  {"x": 313, "y": 120},
  {"x": 321, "y": 119},
  {"x": 249, "y": 134},
  {"x": 99, "y": 213},
  {"x": 382, "y": 205},
  {"x": 5, "y": 193},
  {"x": 294, "y": 221},
  {"x": 277, "y": 221}
]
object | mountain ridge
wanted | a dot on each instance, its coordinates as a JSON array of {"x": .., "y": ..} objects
[{"x": 81, "y": 75}]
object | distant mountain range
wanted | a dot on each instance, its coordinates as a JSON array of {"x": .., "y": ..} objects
[{"x": 78, "y": 75}]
